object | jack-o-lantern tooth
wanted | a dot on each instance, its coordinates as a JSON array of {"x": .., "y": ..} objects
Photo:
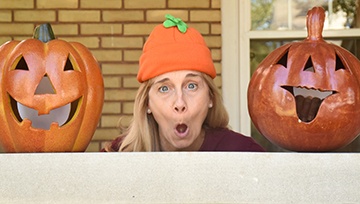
[
  {"x": 308, "y": 101},
  {"x": 311, "y": 92},
  {"x": 61, "y": 115}
]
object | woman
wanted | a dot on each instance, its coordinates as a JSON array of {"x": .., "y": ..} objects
[{"x": 178, "y": 107}]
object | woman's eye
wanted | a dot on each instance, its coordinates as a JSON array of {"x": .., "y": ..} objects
[
  {"x": 163, "y": 89},
  {"x": 192, "y": 86}
]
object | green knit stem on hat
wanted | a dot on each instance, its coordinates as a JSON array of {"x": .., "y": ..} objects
[{"x": 171, "y": 21}]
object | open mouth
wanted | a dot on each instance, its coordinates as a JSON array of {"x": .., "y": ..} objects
[
  {"x": 308, "y": 101},
  {"x": 181, "y": 130},
  {"x": 60, "y": 116}
]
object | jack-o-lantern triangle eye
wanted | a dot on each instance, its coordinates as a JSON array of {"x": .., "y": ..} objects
[
  {"x": 338, "y": 63},
  {"x": 22, "y": 65},
  {"x": 283, "y": 59},
  {"x": 68, "y": 65}
]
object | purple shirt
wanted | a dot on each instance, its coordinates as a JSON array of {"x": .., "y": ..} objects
[
  {"x": 221, "y": 139},
  {"x": 217, "y": 139}
]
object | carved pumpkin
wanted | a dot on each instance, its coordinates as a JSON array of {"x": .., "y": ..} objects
[
  {"x": 292, "y": 74},
  {"x": 51, "y": 94}
]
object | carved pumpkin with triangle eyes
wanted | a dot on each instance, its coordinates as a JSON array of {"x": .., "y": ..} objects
[
  {"x": 51, "y": 94},
  {"x": 305, "y": 96}
]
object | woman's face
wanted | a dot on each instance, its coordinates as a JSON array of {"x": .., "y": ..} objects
[{"x": 179, "y": 102}]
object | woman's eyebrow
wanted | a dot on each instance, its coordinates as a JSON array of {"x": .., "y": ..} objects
[
  {"x": 192, "y": 75},
  {"x": 167, "y": 79},
  {"x": 162, "y": 80}
]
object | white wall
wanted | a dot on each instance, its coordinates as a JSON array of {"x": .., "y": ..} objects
[{"x": 177, "y": 177}]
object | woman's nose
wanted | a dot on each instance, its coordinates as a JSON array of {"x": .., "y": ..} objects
[
  {"x": 180, "y": 109},
  {"x": 180, "y": 104}
]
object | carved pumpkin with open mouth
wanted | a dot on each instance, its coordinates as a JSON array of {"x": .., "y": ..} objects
[
  {"x": 51, "y": 94},
  {"x": 305, "y": 96}
]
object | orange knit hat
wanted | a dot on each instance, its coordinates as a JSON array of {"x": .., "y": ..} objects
[{"x": 173, "y": 46}]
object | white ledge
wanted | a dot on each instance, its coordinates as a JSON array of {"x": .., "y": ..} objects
[{"x": 188, "y": 177}]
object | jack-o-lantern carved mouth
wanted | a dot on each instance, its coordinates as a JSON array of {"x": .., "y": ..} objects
[
  {"x": 60, "y": 116},
  {"x": 308, "y": 101}
]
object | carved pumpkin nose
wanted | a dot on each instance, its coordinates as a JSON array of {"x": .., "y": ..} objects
[{"x": 45, "y": 86}]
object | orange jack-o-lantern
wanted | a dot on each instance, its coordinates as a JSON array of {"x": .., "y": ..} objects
[
  {"x": 305, "y": 96},
  {"x": 51, "y": 94}
]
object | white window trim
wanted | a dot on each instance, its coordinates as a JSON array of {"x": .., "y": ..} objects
[
  {"x": 236, "y": 75},
  {"x": 236, "y": 36}
]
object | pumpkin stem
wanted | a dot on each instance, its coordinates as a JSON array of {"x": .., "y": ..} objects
[
  {"x": 315, "y": 23},
  {"x": 44, "y": 33}
]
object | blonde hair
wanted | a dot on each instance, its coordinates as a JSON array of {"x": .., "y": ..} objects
[{"x": 143, "y": 135}]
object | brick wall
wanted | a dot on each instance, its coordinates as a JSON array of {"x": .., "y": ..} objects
[{"x": 114, "y": 31}]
